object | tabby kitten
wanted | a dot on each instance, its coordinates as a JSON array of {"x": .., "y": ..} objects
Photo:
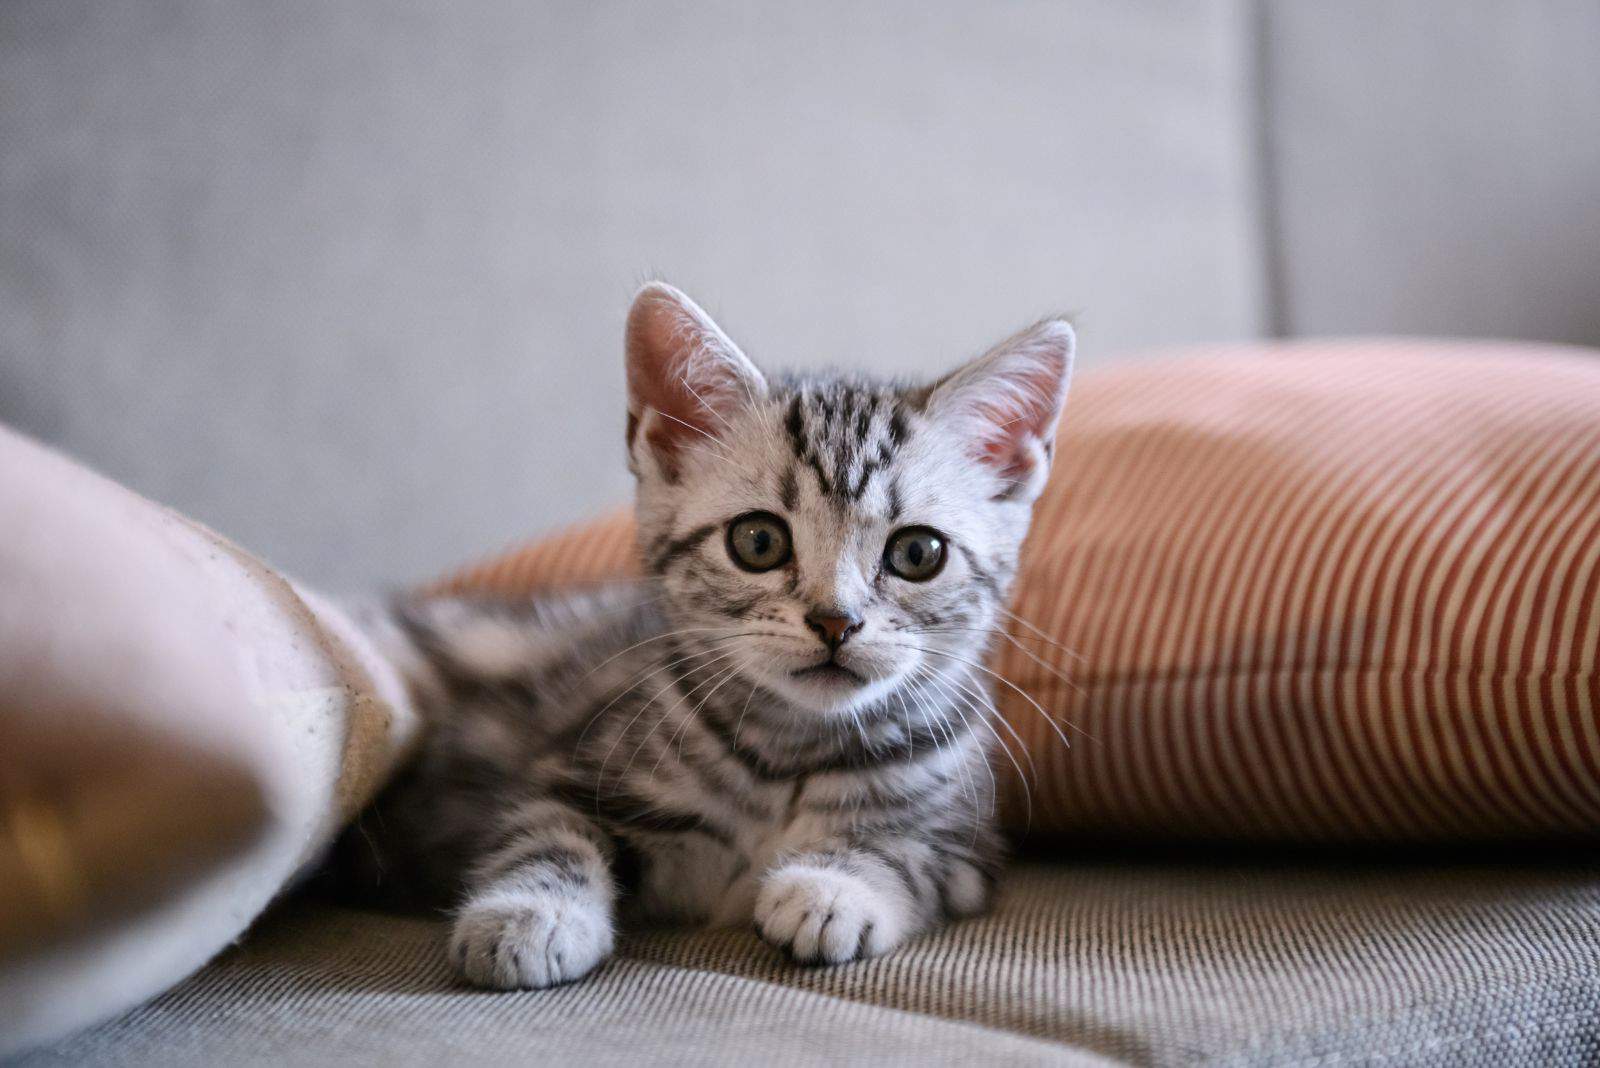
[{"x": 788, "y": 723}]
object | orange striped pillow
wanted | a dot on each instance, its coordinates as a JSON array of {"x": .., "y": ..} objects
[{"x": 1311, "y": 591}]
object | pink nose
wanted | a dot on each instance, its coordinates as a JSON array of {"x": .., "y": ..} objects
[{"x": 833, "y": 628}]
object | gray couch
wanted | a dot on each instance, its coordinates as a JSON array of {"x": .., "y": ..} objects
[
  {"x": 1131, "y": 959},
  {"x": 345, "y": 281}
]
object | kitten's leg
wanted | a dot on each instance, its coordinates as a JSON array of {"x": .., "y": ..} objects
[
  {"x": 863, "y": 897},
  {"x": 538, "y": 908}
]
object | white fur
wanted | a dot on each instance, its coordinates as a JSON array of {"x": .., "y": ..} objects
[
  {"x": 828, "y": 916},
  {"x": 526, "y": 939}
]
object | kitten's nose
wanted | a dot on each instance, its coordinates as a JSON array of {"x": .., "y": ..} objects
[{"x": 833, "y": 628}]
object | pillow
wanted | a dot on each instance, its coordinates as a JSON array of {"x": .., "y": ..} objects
[
  {"x": 1308, "y": 592},
  {"x": 180, "y": 732}
]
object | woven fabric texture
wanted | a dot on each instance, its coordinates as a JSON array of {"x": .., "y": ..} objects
[
  {"x": 1302, "y": 592},
  {"x": 1129, "y": 962}
]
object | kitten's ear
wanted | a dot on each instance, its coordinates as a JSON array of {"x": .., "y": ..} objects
[
  {"x": 685, "y": 378},
  {"x": 1007, "y": 402}
]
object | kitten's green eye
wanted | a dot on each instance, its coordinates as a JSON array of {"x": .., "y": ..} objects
[
  {"x": 759, "y": 541},
  {"x": 916, "y": 554}
]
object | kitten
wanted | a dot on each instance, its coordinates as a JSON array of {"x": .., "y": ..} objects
[{"x": 787, "y": 723}]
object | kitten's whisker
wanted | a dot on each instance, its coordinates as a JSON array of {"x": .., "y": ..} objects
[
  {"x": 994, "y": 785},
  {"x": 901, "y": 697},
  {"x": 987, "y": 714},
  {"x": 684, "y": 380},
  {"x": 1037, "y": 632},
  {"x": 739, "y": 725},
  {"x": 697, "y": 447},
  {"x": 993, "y": 713},
  {"x": 695, "y": 711},
  {"x": 926, "y": 703},
  {"x": 1022, "y": 747},
  {"x": 639, "y": 678},
  {"x": 953, "y": 700},
  {"x": 654, "y": 638},
  {"x": 1052, "y": 669},
  {"x": 946, "y": 628},
  {"x": 650, "y": 669},
  {"x": 655, "y": 726},
  {"x": 673, "y": 708},
  {"x": 1012, "y": 686},
  {"x": 600, "y": 774},
  {"x": 691, "y": 426}
]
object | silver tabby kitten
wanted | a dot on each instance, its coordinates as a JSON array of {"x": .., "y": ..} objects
[{"x": 788, "y": 723}]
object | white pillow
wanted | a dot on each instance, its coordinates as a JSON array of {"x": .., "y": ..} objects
[{"x": 181, "y": 732}]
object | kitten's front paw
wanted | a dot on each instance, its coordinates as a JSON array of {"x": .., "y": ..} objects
[
  {"x": 508, "y": 943},
  {"x": 822, "y": 916}
]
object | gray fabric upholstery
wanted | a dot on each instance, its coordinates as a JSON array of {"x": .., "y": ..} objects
[
  {"x": 1120, "y": 962},
  {"x": 346, "y": 281},
  {"x": 1435, "y": 167}
]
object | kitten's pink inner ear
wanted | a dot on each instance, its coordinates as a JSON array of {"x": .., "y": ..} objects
[
  {"x": 1022, "y": 418},
  {"x": 685, "y": 377},
  {"x": 1009, "y": 400}
]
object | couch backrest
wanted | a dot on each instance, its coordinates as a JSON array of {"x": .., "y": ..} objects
[{"x": 346, "y": 281}]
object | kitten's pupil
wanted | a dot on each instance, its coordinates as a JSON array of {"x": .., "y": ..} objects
[
  {"x": 763, "y": 543},
  {"x": 915, "y": 553}
]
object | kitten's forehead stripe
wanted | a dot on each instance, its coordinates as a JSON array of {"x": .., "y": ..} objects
[
  {"x": 798, "y": 426},
  {"x": 846, "y": 432},
  {"x": 795, "y": 423},
  {"x": 897, "y": 423}
]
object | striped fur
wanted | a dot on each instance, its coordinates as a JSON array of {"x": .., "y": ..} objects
[{"x": 694, "y": 747}]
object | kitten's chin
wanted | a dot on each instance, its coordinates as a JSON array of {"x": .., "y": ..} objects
[{"x": 830, "y": 688}]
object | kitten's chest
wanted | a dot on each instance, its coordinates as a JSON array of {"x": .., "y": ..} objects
[{"x": 713, "y": 878}]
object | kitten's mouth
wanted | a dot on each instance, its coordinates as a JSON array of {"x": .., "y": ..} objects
[{"x": 830, "y": 671}]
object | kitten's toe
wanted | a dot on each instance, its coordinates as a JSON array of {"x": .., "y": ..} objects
[
  {"x": 510, "y": 944},
  {"x": 821, "y": 916}
]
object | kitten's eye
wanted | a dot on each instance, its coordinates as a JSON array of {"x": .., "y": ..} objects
[
  {"x": 759, "y": 541},
  {"x": 916, "y": 554}
]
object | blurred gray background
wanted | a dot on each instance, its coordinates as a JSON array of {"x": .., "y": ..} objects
[{"x": 346, "y": 281}]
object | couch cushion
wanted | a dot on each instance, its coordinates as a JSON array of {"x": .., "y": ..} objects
[
  {"x": 1305, "y": 591},
  {"x": 1152, "y": 961}
]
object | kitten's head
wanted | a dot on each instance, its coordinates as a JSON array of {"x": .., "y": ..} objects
[{"x": 831, "y": 538}]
